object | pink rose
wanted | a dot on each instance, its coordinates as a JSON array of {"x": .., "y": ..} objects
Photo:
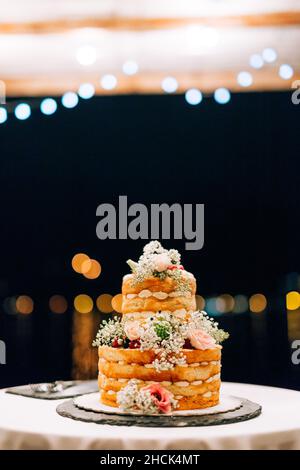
[
  {"x": 132, "y": 330},
  {"x": 199, "y": 339},
  {"x": 161, "y": 262},
  {"x": 160, "y": 396}
]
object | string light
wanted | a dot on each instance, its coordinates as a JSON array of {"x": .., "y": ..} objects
[
  {"x": 193, "y": 96},
  {"x": 86, "y": 55},
  {"x": 108, "y": 82},
  {"x": 3, "y": 115},
  {"x": 22, "y": 111},
  {"x": 130, "y": 67},
  {"x": 256, "y": 61},
  {"x": 48, "y": 106},
  {"x": 286, "y": 71},
  {"x": 222, "y": 95},
  {"x": 86, "y": 91},
  {"x": 169, "y": 84},
  {"x": 244, "y": 79},
  {"x": 69, "y": 100}
]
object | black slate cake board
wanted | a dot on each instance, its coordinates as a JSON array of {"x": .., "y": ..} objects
[{"x": 247, "y": 410}]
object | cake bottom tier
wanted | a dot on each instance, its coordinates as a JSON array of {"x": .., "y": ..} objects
[{"x": 194, "y": 385}]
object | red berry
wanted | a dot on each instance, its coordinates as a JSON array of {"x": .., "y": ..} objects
[
  {"x": 115, "y": 343},
  {"x": 135, "y": 344}
]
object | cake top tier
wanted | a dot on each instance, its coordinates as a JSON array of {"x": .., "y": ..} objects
[{"x": 160, "y": 264}]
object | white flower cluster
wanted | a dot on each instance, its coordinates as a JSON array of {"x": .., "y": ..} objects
[
  {"x": 109, "y": 330},
  {"x": 165, "y": 334},
  {"x": 131, "y": 398},
  {"x": 147, "y": 265},
  {"x": 201, "y": 320}
]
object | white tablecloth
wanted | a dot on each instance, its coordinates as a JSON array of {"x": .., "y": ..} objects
[{"x": 27, "y": 423}]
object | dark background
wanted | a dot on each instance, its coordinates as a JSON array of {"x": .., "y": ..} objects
[{"x": 241, "y": 160}]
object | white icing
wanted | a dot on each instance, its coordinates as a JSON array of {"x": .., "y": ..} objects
[
  {"x": 166, "y": 383},
  {"x": 196, "y": 382},
  {"x": 182, "y": 384},
  {"x": 207, "y": 394},
  {"x": 146, "y": 293},
  {"x": 149, "y": 366},
  {"x": 213, "y": 378},
  {"x": 194, "y": 364},
  {"x": 131, "y": 296},
  {"x": 122, "y": 380},
  {"x": 178, "y": 397},
  {"x": 111, "y": 392}
]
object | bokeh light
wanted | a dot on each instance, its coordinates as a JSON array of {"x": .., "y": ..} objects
[
  {"x": 241, "y": 304},
  {"x": 225, "y": 303},
  {"x": 91, "y": 269},
  {"x": 169, "y": 84},
  {"x": 130, "y": 67},
  {"x": 292, "y": 300},
  {"x": 9, "y": 305},
  {"x": 117, "y": 303},
  {"x": 269, "y": 55},
  {"x": 257, "y": 303},
  {"x": 83, "y": 303},
  {"x": 200, "y": 302},
  {"x": 58, "y": 304},
  {"x": 3, "y": 115},
  {"x": 193, "y": 96},
  {"x": 211, "y": 305},
  {"x": 104, "y": 303},
  {"x": 69, "y": 100},
  {"x": 22, "y": 111},
  {"x": 48, "y": 106},
  {"x": 86, "y": 91},
  {"x": 286, "y": 71},
  {"x": 244, "y": 79},
  {"x": 222, "y": 95},
  {"x": 24, "y": 304},
  {"x": 108, "y": 82},
  {"x": 86, "y": 55},
  {"x": 256, "y": 61},
  {"x": 78, "y": 260}
]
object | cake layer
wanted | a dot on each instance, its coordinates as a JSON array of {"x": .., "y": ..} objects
[
  {"x": 152, "y": 304},
  {"x": 183, "y": 388},
  {"x": 184, "y": 403},
  {"x": 130, "y": 356},
  {"x": 155, "y": 284}
]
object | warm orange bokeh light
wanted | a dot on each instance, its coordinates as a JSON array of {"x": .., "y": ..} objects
[
  {"x": 200, "y": 302},
  {"x": 257, "y": 303},
  {"x": 24, "y": 304},
  {"x": 91, "y": 269},
  {"x": 225, "y": 303},
  {"x": 58, "y": 304},
  {"x": 117, "y": 303},
  {"x": 292, "y": 300},
  {"x": 104, "y": 303},
  {"x": 83, "y": 303},
  {"x": 78, "y": 260}
]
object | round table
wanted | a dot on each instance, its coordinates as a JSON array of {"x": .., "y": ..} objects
[{"x": 29, "y": 423}]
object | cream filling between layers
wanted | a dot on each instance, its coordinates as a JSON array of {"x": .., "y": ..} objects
[{"x": 145, "y": 293}]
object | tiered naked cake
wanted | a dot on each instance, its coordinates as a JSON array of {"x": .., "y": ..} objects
[{"x": 163, "y": 355}]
